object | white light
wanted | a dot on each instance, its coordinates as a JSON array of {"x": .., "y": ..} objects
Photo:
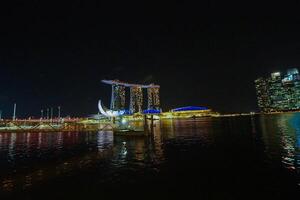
[
  {"x": 124, "y": 121},
  {"x": 109, "y": 113}
]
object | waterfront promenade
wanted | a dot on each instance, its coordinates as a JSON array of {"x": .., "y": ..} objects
[{"x": 50, "y": 125}]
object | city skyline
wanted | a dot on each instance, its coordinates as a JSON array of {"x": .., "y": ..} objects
[
  {"x": 113, "y": 100},
  {"x": 7, "y": 109},
  {"x": 121, "y": 90},
  {"x": 50, "y": 59}
]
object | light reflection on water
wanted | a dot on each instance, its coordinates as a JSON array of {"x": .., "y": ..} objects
[
  {"x": 24, "y": 156},
  {"x": 29, "y": 159},
  {"x": 281, "y": 134}
]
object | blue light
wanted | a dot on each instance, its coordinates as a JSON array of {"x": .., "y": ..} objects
[
  {"x": 127, "y": 112},
  {"x": 189, "y": 108},
  {"x": 151, "y": 111}
]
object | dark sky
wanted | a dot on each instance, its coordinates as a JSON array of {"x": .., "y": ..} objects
[{"x": 204, "y": 55}]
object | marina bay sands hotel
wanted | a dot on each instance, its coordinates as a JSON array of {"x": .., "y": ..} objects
[{"x": 118, "y": 96}]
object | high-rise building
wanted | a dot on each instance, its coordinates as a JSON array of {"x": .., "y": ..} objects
[
  {"x": 136, "y": 99},
  {"x": 117, "y": 97},
  {"x": 262, "y": 93},
  {"x": 279, "y": 93},
  {"x": 153, "y": 98}
]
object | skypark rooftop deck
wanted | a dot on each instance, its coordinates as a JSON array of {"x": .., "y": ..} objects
[{"x": 117, "y": 82}]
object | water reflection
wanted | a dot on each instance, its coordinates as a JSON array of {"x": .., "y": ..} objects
[
  {"x": 104, "y": 140},
  {"x": 281, "y": 134},
  {"x": 29, "y": 159}
]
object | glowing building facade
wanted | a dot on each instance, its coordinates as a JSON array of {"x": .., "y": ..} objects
[
  {"x": 262, "y": 93},
  {"x": 189, "y": 112},
  {"x": 118, "y": 97},
  {"x": 279, "y": 93},
  {"x": 136, "y": 100},
  {"x": 153, "y": 98}
]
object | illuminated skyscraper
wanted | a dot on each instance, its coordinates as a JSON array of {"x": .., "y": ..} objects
[
  {"x": 276, "y": 92},
  {"x": 262, "y": 93},
  {"x": 136, "y": 99},
  {"x": 279, "y": 93},
  {"x": 118, "y": 97},
  {"x": 153, "y": 98}
]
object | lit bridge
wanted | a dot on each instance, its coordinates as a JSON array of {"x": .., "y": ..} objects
[{"x": 32, "y": 125}]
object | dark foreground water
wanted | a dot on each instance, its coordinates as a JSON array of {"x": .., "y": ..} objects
[{"x": 221, "y": 158}]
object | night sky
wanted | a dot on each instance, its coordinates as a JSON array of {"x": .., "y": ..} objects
[{"x": 203, "y": 55}]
